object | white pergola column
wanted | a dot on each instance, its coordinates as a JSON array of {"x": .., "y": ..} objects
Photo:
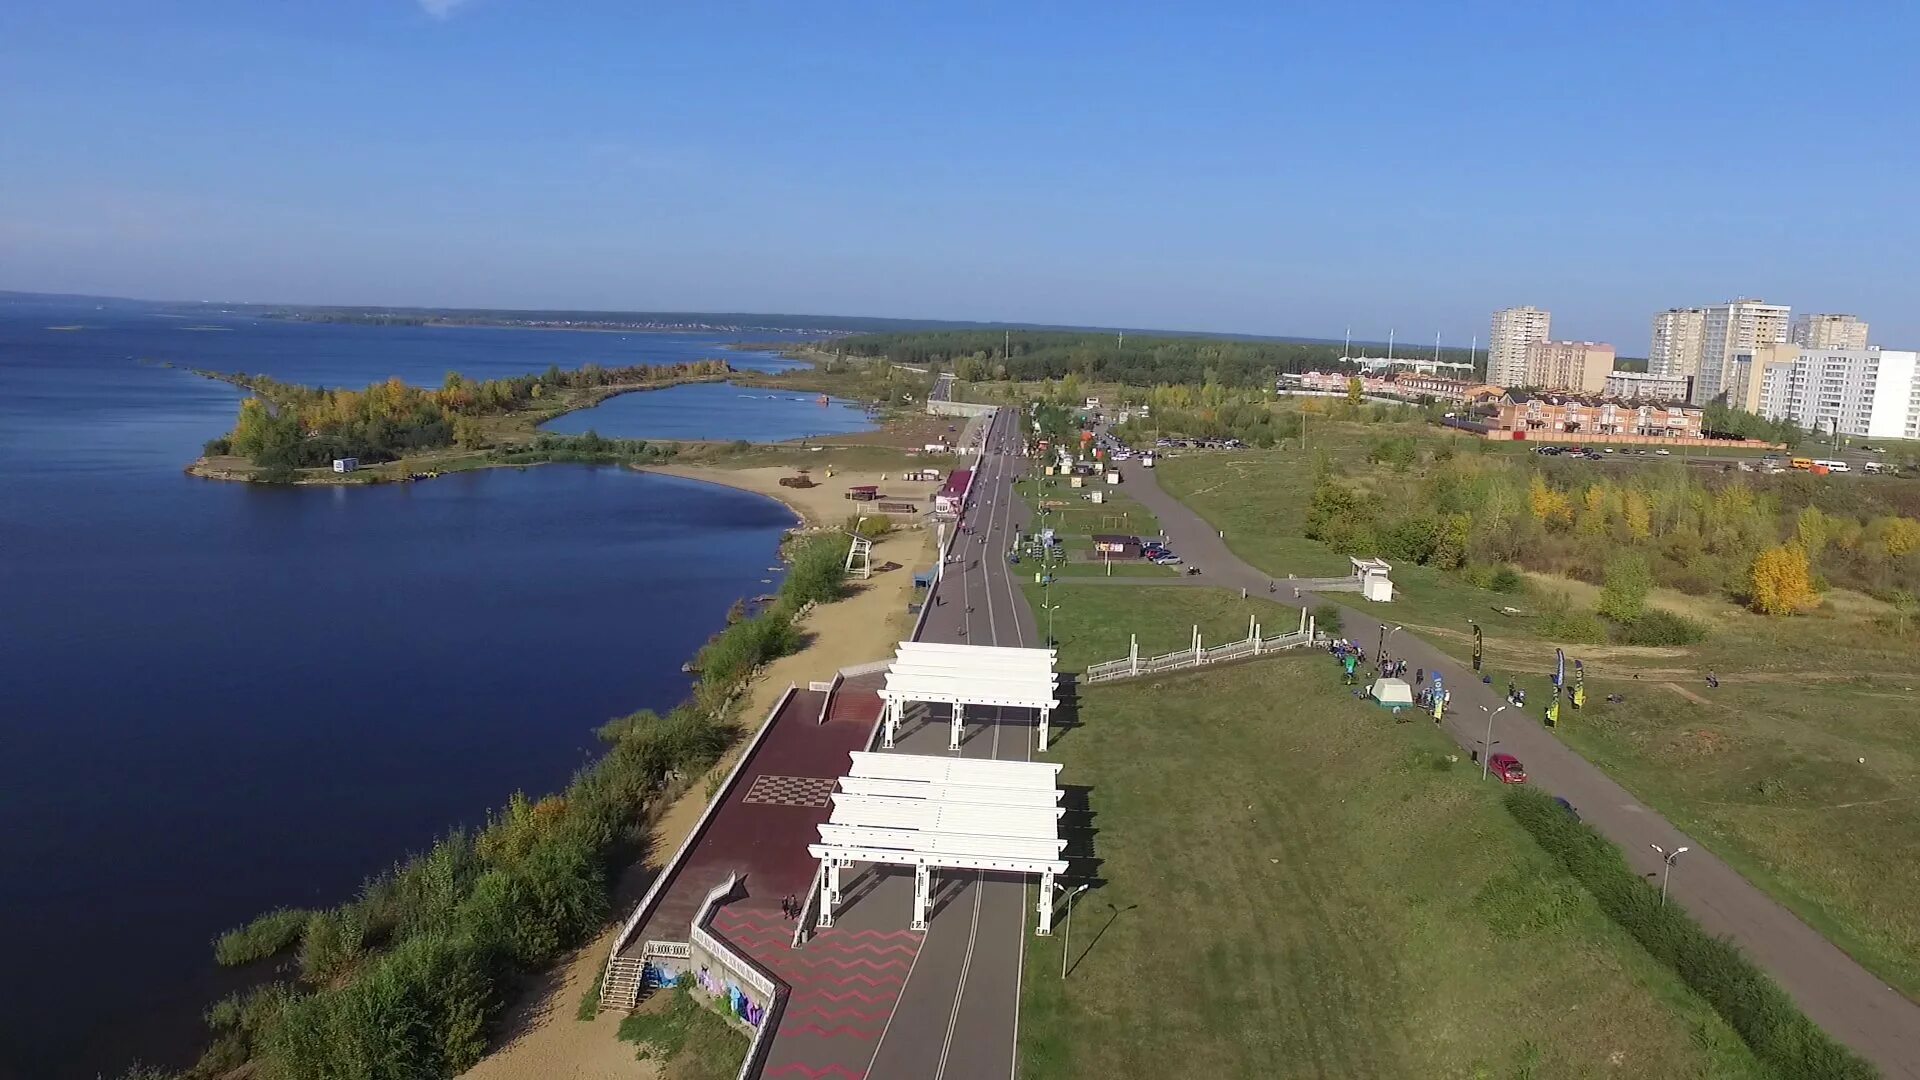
[
  {"x": 1044, "y": 927},
  {"x": 922, "y": 895},
  {"x": 829, "y": 891},
  {"x": 1045, "y": 716},
  {"x": 892, "y": 726},
  {"x": 959, "y": 722}
]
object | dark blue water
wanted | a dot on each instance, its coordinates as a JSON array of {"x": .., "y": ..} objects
[
  {"x": 216, "y": 698},
  {"x": 716, "y": 411}
]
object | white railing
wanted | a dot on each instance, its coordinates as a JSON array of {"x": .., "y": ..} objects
[
  {"x": 720, "y": 950},
  {"x": 671, "y": 950},
  {"x": 1128, "y": 667},
  {"x": 807, "y": 904},
  {"x": 647, "y": 902}
]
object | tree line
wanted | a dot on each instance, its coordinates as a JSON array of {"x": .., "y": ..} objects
[
  {"x": 286, "y": 426},
  {"x": 1773, "y": 542},
  {"x": 1026, "y": 355}
]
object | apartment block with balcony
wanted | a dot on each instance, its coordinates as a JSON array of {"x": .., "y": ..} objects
[
  {"x": 1729, "y": 329},
  {"x": 1634, "y": 385},
  {"x": 1828, "y": 332},
  {"x": 1580, "y": 367},
  {"x": 1514, "y": 329},
  {"x": 1866, "y": 393},
  {"x": 1678, "y": 334}
]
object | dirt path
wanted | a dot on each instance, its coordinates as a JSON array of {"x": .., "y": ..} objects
[{"x": 545, "y": 1041}]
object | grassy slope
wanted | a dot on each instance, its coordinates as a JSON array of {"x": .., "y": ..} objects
[
  {"x": 1766, "y": 771},
  {"x": 1293, "y": 887}
]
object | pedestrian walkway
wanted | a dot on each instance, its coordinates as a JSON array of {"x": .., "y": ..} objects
[{"x": 842, "y": 987}]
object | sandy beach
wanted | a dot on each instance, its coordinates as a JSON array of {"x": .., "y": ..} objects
[
  {"x": 545, "y": 1041},
  {"x": 824, "y": 504}
]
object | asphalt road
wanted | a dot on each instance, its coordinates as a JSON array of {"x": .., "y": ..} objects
[
  {"x": 1851, "y": 1003},
  {"x": 957, "y": 1015}
]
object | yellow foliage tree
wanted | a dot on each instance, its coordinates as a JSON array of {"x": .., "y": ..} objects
[
  {"x": 1900, "y": 535},
  {"x": 1593, "y": 510},
  {"x": 1782, "y": 581},
  {"x": 1637, "y": 516},
  {"x": 1550, "y": 507}
]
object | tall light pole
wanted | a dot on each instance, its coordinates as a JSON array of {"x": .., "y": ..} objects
[
  {"x": 1668, "y": 858},
  {"x": 1066, "y": 948},
  {"x": 1486, "y": 751},
  {"x": 1381, "y": 652}
]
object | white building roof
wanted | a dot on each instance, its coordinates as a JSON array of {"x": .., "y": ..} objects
[
  {"x": 959, "y": 813},
  {"x": 972, "y": 675}
]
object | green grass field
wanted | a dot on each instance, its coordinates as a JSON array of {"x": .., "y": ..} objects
[
  {"x": 1095, "y": 622},
  {"x": 1766, "y": 770},
  {"x": 1290, "y": 884}
]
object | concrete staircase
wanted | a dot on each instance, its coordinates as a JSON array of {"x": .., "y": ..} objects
[{"x": 623, "y": 983}]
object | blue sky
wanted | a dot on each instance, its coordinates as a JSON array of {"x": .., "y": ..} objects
[{"x": 1225, "y": 167}]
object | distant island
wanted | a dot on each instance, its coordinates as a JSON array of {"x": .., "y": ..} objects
[{"x": 288, "y": 433}]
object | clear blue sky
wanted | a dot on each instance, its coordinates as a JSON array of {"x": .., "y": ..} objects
[{"x": 1249, "y": 168}]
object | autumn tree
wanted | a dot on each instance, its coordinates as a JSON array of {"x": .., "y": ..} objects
[
  {"x": 1550, "y": 507},
  {"x": 1356, "y": 391},
  {"x": 1636, "y": 517},
  {"x": 1810, "y": 531},
  {"x": 1782, "y": 581}
]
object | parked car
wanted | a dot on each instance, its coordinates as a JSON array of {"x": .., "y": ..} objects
[
  {"x": 1166, "y": 558},
  {"x": 1507, "y": 768},
  {"x": 1568, "y": 807},
  {"x": 1664, "y": 452}
]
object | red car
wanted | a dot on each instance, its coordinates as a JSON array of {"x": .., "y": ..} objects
[{"x": 1507, "y": 768}]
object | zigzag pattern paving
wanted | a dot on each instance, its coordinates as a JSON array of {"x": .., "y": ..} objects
[{"x": 844, "y": 984}]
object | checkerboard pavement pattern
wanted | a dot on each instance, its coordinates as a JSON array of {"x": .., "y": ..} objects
[{"x": 791, "y": 791}]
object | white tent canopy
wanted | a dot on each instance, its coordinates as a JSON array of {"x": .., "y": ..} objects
[
  {"x": 935, "y": 813},
  {"x": 1391, "y": 692},
  {"x": 990, "y": 676}
]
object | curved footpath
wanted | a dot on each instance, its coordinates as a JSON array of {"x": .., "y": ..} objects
[{"x": 1851, "y": 1003}]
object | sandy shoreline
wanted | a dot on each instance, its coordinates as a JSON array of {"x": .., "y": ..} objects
[{"x": 824, "y": 504}]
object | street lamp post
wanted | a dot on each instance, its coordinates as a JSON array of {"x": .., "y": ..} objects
[
  {"x": 1381, "y": 652},
  {"x": 1486, "y": 750},
  {"x": 1668, "y": 858},
  {"x": 1066, "y": 948}
]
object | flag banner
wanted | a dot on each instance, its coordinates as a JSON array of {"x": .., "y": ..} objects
[
  {"x": 1559, "y": 667},
  {"x": 1476, "y": 646}
]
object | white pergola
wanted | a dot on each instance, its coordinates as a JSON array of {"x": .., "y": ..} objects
[
  {"x": 963, "y": 675},
  {"x": 934, "y": 813}
]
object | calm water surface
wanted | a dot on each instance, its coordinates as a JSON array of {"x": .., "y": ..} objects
[{"x": 220, "y": 697}]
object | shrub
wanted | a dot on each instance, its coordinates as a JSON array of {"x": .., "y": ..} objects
[
  {"x": 266, "y": 935},
  {"x": 217, "y": 446},
  {"x": 873, "y": 528},
  {"x": 1326, "y": 618},
  {"x": 817, "y": 573},
  {"x": 1657, "y": 627},
  {"x": 1751, "y": 1003},
  {"x": 333, "y": 944},
  {"x": 1628, "y": 580},
  {"x": 1507, "y": 580}
]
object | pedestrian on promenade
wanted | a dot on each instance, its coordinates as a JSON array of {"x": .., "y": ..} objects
[{"x": 1419, "y": 675}]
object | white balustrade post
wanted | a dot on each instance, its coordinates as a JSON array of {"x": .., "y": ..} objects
[
  {"x": 959, "y": 721},
  {"x": 1044, "y": 927},
  {"x": 922, "y": 895},
  {"x": 1133, "y": 654},
  {"x": 1045, "y": 716},
  {"x": 1303, "y": 620},
  {"x": 829, "y": 891}
]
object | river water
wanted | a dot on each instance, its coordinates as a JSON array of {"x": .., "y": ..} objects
[{"x": 216, "y": 698}]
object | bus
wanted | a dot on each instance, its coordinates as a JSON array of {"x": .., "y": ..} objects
[
  {"x": 1873, "y": 466},
  {"x": 1801, "y": 463},
  {"x": 1831, "y": 466}
]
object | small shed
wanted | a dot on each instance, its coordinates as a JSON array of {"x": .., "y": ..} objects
[
  {"x": 345, "y": 464},
  {"x": 1113, "y": 544},
  {"x": 1373, "y": 579},
  {"x": 863, "y": 492},
  {"x": 1391, "y": 692}
]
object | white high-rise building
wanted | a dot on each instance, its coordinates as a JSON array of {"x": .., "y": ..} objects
[
  {"x": 1829, "y": 332},
  {"x": 1868, "y": 393},
  {"x": 1677, "y": 336},
  {"x": 1735, "y": 327},
  {"x": 1514, "y": 329}
]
